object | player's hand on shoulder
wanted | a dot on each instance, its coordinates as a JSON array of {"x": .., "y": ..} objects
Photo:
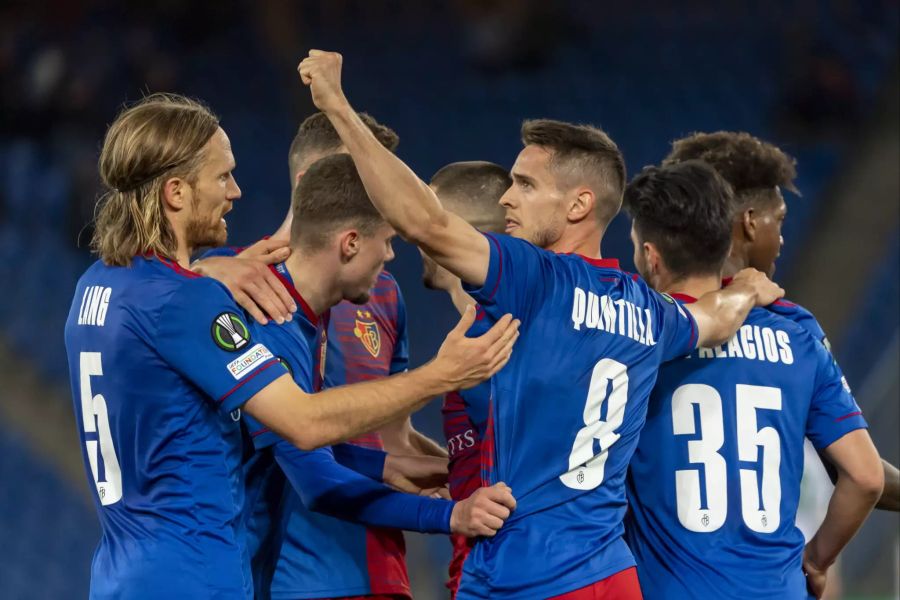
[
  {"x": 484, "y": 512},
  {"x": 321, "y": 71},
  {"x": 767, "y": 291},
  {"x": 466, "y": 362},
  {"x": 816, "y": 577},
  {"x": 415, "y": 474},
  {"x": 252, "y": 285}
]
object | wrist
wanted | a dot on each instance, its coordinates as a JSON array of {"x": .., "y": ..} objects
[
  {"x": 434, "y": 378},
  {"x": 813, "y": 558}
]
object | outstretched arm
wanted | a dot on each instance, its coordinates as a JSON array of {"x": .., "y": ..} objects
[
  {"x": 720, "y": 314},
  {"x": 314, "y": 420},
  {"x": 405, "y": 201}
]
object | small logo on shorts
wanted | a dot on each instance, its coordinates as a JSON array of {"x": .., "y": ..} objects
[{"x": 229, "y": 332}]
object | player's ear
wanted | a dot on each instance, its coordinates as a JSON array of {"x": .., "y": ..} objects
[
  {"x": 651, "y": 257},
  {"x": 176, "y": 193},
  {"x": 582, "y": 205},
  {"x": 350, "y": 244},
  {"x": 748, "y": 224}
]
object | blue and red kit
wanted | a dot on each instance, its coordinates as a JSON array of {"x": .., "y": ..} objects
[
  {"x": 161, "y": 361},
  {"x": 565, "y": 415},
  {"x": 464, "y": 415},
  {"x": 714, "y": 484}
]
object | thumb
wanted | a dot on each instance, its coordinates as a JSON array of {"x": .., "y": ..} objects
[{"x": 465, "y": 322}]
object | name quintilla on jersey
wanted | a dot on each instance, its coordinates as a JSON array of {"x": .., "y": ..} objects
[{"x": 620, "y": 316}]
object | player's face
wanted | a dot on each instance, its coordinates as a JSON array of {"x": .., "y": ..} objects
[
  {"x": 213, "y": 193},
  {"x": 362, "y": 271},
  {"x": 766, "y": 247},
  {"x": 535, "y": 206}
]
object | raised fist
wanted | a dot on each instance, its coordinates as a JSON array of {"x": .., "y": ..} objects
[{"x": 321, "y": 71}]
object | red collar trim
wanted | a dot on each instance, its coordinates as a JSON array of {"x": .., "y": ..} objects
[
  {"x": 606, "y": 263},
  {"x": 304, "y": 306},
  {"x": 683, "y": 297},
  {"x": 172, "y": 265}
]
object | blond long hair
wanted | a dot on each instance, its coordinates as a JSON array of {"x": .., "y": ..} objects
[{"x": 158, "y": 138}]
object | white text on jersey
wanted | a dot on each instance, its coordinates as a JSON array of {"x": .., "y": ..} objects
[
  {"x": 614, "y": 316},
  {"x": 94, "y": 304},
  {"x": 753, "y": 342}
]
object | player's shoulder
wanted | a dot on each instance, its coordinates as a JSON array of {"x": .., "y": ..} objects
[
  {"x": 764, "y": 317},
  {"x": 799, "y": 315},
  {"x": 386, "y": 280}
]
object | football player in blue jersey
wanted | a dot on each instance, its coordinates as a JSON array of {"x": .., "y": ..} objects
[
  {"x": 163, "y": 362},
  {"x": 714, "y": 484},
  {"x": 567, "y": 410},
  {"x": 758, "y": 172}
]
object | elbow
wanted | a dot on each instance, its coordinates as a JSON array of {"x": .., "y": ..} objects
[
  {"x": 307, "y": 438},
  {"x": 869, "y": 482}
]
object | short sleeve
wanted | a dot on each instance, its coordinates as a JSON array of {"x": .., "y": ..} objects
[
  {"x": 518, "y": 272},
  {"x": 205, "y": 337},
  {"x": 677, "y": 330},
  {"x": 400, "y": 359},
  {"x": 833, "y": 412}
]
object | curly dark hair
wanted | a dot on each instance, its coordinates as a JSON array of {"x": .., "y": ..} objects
[
  {"x": 685, "y": 210},
  {"x": 746, "y": 162}
]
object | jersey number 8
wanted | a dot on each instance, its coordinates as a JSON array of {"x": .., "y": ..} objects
[
  {"x": 609, "y": 383},
  {"x": 95, "y": 422}
]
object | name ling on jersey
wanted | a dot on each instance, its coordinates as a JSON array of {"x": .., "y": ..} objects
[
  {"x": 753, "y": 342},
  {"x": 613, "y": 316},
  {"x": 94, "y": 304}
]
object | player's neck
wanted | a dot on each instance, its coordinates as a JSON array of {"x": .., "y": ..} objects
[
  {"x": 579, "y": 240},
  {"x": 182, "y": 251},
  {"x": 312, "y": 281},
  {"x": 695, "y": 286},
  {"x": 734, "y": 263}
]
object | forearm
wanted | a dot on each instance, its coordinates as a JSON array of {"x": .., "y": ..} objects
[
  {"x": 849, "y": 506},
  {"x": 346, "y": 412},
  {"x": 329, "y": 488},
  {"x": 404, "y": 200},
  {"x": 719, "y": 314},
  {"x": 338, "y": 414},
  {"x": 890, "y": 496},
  {"x": 426, "y": 446}
]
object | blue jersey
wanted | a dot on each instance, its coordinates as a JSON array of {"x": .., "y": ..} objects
[
  {"x": 715, "y": 481},
  {"x": 566, "y": 413},
  {"x": 161, "y": 361},
  {"x": 313, "y": 539}
]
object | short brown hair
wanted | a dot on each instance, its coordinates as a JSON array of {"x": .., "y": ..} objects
[
  {"x": 317, "y": 137},
  {"x": 473, "y": 189},
  {"x": 746, "y": 162},
  {"x": 329, "y": 196},
  {"x": 158, "y": 138},
  {"x": 582, "y": 153}
]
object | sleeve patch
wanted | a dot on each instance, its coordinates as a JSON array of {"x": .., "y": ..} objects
[
  {"x": 248, "y": 361},
  {"x": 229, "y": 332}
]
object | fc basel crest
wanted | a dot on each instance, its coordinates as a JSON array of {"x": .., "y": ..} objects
[
  {"x": 229, "y": 332},
  {"x": 367, "y": 332}
]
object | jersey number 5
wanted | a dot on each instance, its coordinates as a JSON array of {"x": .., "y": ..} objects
[
  {"x": 95, "y": 422},
  {"x": 609, "y": 384},
  {"x": 762, "y": 515}
]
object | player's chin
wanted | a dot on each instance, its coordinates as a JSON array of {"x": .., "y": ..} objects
[{"x": 360, "y": 298}]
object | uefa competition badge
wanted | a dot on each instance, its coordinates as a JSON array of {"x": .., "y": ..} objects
[{"x": 229, "y": 332}]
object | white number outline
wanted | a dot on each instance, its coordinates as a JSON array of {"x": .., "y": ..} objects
[
  {"x": 586, "y": 470},
  {"x": 95, "y": 419},
  {"x": 705, "y": 451}
]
